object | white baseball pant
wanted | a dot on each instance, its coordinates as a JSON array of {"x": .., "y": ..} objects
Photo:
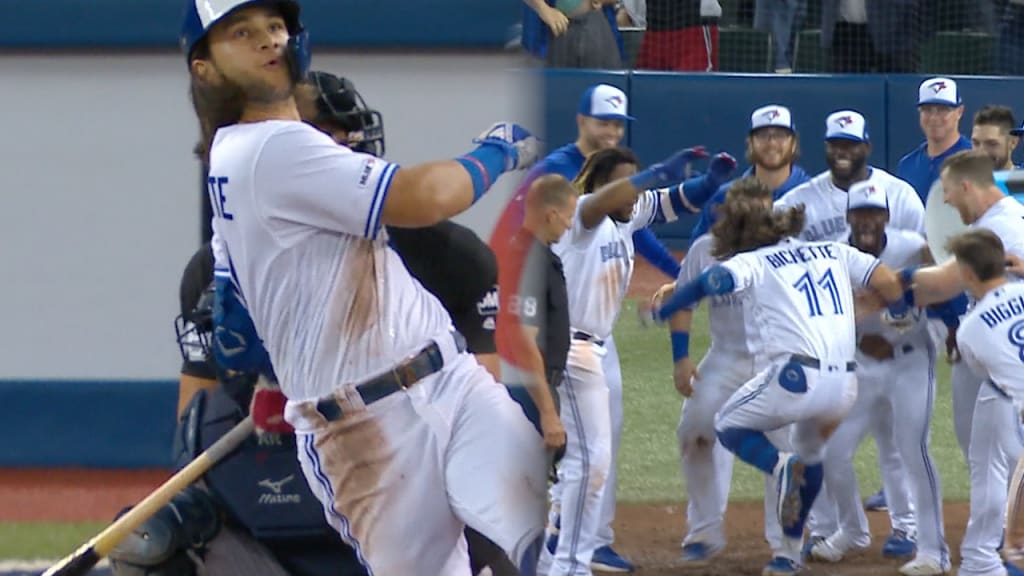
[
  {"x": 903, "y": 386},
  {"x": 613, "y": 376},
  {"x": 995, "y": 446},
  {"x": 401, "y": 477},
  {"x": 707, "y": 465}
]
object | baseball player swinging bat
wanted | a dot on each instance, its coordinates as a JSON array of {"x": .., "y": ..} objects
[{"x": 85, "y": 558}]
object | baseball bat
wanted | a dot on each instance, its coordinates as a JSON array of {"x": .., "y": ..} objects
[{"x": 89, "y": 554}]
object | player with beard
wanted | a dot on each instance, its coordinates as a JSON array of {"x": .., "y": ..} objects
[
  {"x": 773, "y": 147},
  {"x": 994, "y": 132},
  {"x": 847, "y": 148}
]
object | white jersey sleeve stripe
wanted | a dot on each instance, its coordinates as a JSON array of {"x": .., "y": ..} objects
[{"x": 377, "y": 205}]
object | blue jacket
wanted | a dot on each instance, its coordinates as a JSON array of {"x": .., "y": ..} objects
[
  {"x": 921, "y": 171},
  {"x": 708, "y": 217},
  {"x": 535, "y": 32}
]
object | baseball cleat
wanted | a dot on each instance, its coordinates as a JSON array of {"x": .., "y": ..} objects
[
  {"x": 780, "y": 566},
  {"x": 696, "y": 552},
  {"x": 607, "y": 560},
  {"x": 876, "y": 502},
  {"x": 789, "y": 477},
  {"x": 833, "y": 548},
  {"x": 805, "y": 552},
  {"x": 899, "y": 545},
  {"x": 925, "y": 567}
]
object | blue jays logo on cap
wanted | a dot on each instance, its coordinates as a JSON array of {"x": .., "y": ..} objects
[
  {"x": 938, "y": 86},
  {"x": 615, "y": 101},
  {"x": 938, "y": 91},
  {"x": 771, "y": 115},
  {"x": 846, "y": 125},
  {"x": 844, "y": 121},
  {"x": 604, "y": 101}
]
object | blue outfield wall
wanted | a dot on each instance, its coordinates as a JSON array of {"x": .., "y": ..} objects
[
  {"x": 675, "y": 110},
  {"x": 75, "y": 24}
]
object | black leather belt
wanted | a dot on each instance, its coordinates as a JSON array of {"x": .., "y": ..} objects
[
  {"x": 423, "y": 364},
  {"x": 587, "y": 336},
  {"x": 815, "y": 363}
]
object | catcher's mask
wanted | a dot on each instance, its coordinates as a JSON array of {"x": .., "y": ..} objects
[
  {"x": 339, "y": 103},
  {"x": 195, "y": 329}
]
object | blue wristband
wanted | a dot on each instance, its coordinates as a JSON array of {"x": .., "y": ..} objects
[
  {"x": 485, "y": 165},
  {"x": 907, "y": 276},
  {"x": 675, "y": 197},
  {"x": 644, "y": 180},
  {"x": 680, "y": 345}
]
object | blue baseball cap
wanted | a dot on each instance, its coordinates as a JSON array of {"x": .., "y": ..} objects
[
  {"x": 606, "y": 102},
  {"x": 772, "y": 115},
  {"x": 938, "y": 91}
]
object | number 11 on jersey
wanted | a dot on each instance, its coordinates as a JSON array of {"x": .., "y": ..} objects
[{"x": 810, "y": 289}]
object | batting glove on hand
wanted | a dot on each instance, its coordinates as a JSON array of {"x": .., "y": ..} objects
[
  {"x": 267, "y": 408},
  {"x": 522, "y": 149},
  {"x": 899, "y": 316},
  {"x": 669, "y": 171},
  {"x": 721, "y": 167}
]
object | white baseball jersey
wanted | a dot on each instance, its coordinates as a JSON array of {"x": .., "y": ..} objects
[
  {"x": 826, "y": 205},
  {"x": 1006, "y": 219},
  {"x": 802, "y": 296},
  {"x": 991, "y": 339},
  {"x": 598, "y": 262},
  {"x": 299, "y": 217},
  {"x": 902, "y": 249},
  {"x": 728, "y": 314}
]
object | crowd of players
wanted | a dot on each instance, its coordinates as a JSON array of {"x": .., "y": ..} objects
[{"x": 798, "y": 372}]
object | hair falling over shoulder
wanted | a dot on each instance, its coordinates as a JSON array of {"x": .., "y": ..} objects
[{"x": 748, "y": 224}]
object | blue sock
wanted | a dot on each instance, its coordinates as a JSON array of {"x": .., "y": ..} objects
[
  {"x": 751, "y": 446},
  {"x": 813, "y": 478}
]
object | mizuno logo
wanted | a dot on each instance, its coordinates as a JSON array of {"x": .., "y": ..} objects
[{"x": 276, "y": 487}]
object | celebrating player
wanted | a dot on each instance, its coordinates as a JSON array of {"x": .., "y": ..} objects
[
  {"x": 597, "y": 255},
  {"x": 600, "y": 121},
  {"x": 991, "y": 341},
  {"x": 994, "y": 131},
  {"x": 939, "y": 109},
  {"x": 366, "y": 356},
  {"x": 802, "y": 291},
  {"x": 773, "y": 148},
  {"x": 995, "y": 443},
  {"x": 886, "y": 352},
  {"x": 732, "y": 359}
]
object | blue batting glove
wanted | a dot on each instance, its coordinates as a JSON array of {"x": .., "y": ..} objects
[
  {"x": 721, "y": 167},
  {"x": 521, "y": 148},
  {"x": 669, "y": 171}
]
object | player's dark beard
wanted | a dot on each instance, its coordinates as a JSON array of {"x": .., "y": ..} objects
[{"x": 216, "y": 106}]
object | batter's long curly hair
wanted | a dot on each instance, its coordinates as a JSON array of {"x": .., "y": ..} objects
[
  {"x": 597, "y": 170},
  {"x": 747, "y": 220}
]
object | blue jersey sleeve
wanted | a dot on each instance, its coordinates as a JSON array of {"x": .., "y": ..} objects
[{"x": 648, "y": 246}]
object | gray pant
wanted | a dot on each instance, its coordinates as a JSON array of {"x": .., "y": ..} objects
[
  {"x": 587, "y": 43},
  {"x": 781, "y": 18},
  {"x": 234, "y": 552}
]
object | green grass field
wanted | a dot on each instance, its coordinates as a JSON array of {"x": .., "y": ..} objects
[{"x": 648, "y": 460}]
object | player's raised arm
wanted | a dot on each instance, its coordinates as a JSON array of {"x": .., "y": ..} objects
[
  {"x": 624, "y": 191},
  {"x": 426, "y": 194}
]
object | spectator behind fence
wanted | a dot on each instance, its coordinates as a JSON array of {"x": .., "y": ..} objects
[
  {"x": 632, "y": 14},
  {"x": 573, "y": 33},
  {"x": 780, "y": 18},
  {"x": 1010, "y": 54},
  {"x": 682, "y": 35},
  {"x": 872, "y": 35}
]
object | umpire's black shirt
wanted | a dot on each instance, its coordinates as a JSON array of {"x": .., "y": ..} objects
[
  {"x": 455, "y": 265},
  {"x": 542, "y": 300}
]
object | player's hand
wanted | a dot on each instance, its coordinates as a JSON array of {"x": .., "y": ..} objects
[
  {"x": 646, "y": 312},
  {"x": 1015, "y": 265},
  {"x": 555, "y": 20},
  {"x": 721, "y": 167},
  {"x": 669, "y": 171},
  {"x": 685, "y": 374},
  {"x": 521, "y": 148},
  {"x": 664, "y": 292},
  {"x": 899, "y": 316},
  {"x": 267, "y": 408},
  {"x": 554, "y": 432}
]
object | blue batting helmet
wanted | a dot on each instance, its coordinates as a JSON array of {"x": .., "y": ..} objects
[{"x": 201, "y": 15}]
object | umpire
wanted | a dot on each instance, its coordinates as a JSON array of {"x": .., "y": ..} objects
[{"x": 533, "y": 321}]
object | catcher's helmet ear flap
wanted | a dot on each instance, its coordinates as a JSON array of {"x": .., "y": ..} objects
[
  {"x": 340, "y": 104},
  {"x": 201, "y": 15},
  {"x": 195, "y": 329}
]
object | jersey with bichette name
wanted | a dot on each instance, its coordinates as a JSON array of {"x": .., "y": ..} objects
[
  {"x": 825, "y": 205},
  {"x": 300, "y": 221},
  {"x": 598, "y": 262},
  {"x": 802, "y": 296},
  {"x": 728, "y": 314},
  {"x": 991, "y": 339},
  {"x": 902, "y": 249}
]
